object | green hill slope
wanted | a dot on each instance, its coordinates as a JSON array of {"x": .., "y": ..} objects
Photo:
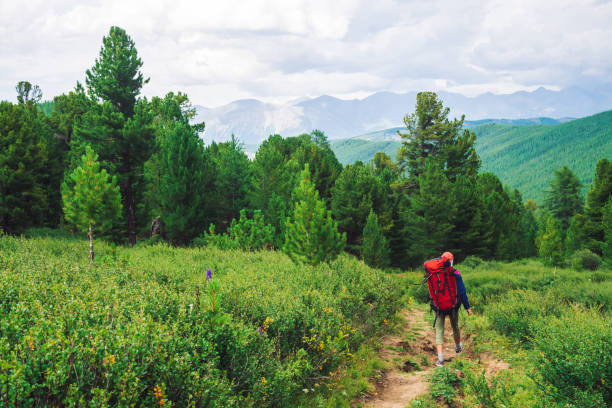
[{"x": 523, "y": 156}]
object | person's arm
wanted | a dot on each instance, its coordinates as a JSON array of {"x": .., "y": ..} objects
[{"x": 462, "y": 292}]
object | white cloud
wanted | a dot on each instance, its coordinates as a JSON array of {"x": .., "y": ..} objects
[{"x": 276, "y": 50}]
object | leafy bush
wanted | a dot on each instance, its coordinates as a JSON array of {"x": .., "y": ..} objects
[
  {"x": 443, "y": 383},
  {"x": 472, "y": 262},
  {"x": 588, "y": 293},
  {"x": 585, "y": 259},
  {"x": 517, "y": 311},
  {"x": 151, "y": 326},
  {"x": 573, "y": 358},
  {"x": 494, "y": 395}
]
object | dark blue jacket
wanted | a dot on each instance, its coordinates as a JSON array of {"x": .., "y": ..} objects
[{"x": 461, "y": 290}]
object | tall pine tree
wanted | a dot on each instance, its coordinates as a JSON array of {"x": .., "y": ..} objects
[
  {"x": 120, "y": 130},
  {"x": 184, "y": 173},
  {"x": 430, "y": 134},
  {"x": 311, "y": 235}
]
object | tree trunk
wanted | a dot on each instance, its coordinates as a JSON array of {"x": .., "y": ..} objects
[{"x": 91, "y": 251}]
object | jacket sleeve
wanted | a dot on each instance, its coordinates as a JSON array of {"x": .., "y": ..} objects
[{"x": 461, "y": 290}]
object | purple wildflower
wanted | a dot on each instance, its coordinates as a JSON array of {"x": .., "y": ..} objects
[
  {"x": 208, "y": 275},
  {"x": 260, "y": 331}
]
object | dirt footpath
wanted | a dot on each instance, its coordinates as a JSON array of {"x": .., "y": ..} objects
[{"x": 411, "y": 357}]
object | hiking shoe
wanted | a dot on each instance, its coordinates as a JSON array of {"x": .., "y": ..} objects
[
  {"x": 440, "y": 363},
  {"x": 458, "y": 348}
]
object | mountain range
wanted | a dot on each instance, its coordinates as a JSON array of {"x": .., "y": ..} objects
[{"x": 252, "y": 121}]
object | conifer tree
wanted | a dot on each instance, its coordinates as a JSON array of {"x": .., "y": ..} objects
[
  {"x": 551, "y": 243},
  {"x": 597, "y": 198},
  {"x": 233, "y": 179},
  {"x": 184, "y": 171},
  {"x": 606, "y": 247},
  {"x": 166, "y": 112},
  {"x": 23, "y": 167},
  {"x": 430, "y": 134},
  {"x": 563, "y": 199},
  {"x": 470, "y": 234},
  {"x": 311, "y": 234},
  {"x": 495, "y": 207},
  {"x": 116, "y": 75},
  {"x": 356, "y": 192},
  {"x": 431, "y": 215},
  {"x": 273, "y": 178},
  {"x": 251, "y": 234},
  {"x": 94, "y": 202},
  {"x": 374, "y": 250},
  {"x": 120, "y": 128},
  {"x": 576, "y": 237}
]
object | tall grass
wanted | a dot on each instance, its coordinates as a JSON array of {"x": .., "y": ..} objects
[{"x": 559, "y": 317}]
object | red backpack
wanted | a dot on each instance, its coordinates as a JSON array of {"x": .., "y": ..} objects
[{"x": 440, "y": 278}]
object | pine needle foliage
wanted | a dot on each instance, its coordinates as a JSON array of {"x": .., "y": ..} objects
[
  {"x": 94, "y": 201},
  {"x": 563, "y": 199},
  {"x": 183, "y": 184},
  {"x": 311, "y": 235},
  {"x": 597, "y": 198},
  {"x": 551, "y": 243},
  {"x": 374, "y": 250},
  {"x": 606, "y": 247}
]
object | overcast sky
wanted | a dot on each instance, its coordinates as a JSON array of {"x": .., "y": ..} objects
[{"x": 219, "y": 51}]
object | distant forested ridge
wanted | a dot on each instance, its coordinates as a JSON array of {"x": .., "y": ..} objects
[
  {"x": 525, "y": 156},
  {"x": 521, "y": 155}
]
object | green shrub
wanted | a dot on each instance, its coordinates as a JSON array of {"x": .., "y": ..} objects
[
  {"x": 471, "y": 262},
  {"x": 490, "y": 394},
  {"x": 585, "y": 259},
  {"x": 573, "y": 359},
  {"x": 146, "y": 318},
  {"x": 443, "y": 383},
  {"x": 517, "y": 311},
  {"x": 420, "y": 292},
  {"x": 588, "y": 293}
]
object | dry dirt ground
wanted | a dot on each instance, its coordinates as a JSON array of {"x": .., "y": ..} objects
[{"x": 410, "y": 357}]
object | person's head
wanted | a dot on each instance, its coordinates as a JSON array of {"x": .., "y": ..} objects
[{"x": 449, "y": 257}]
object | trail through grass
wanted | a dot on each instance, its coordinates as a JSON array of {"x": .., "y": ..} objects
[{"x": 410, "y": 356}]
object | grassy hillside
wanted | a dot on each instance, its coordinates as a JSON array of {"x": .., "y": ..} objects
[
  {"x": 144, "y": 324},
  {"x": 526, "y": 156},
  {"x": 523, "y": 156}
]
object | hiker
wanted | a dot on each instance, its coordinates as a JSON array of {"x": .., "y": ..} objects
[{"x": 445, "y": 289}]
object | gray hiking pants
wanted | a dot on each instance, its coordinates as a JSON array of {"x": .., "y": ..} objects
[{"x": 454, "y": 319}]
